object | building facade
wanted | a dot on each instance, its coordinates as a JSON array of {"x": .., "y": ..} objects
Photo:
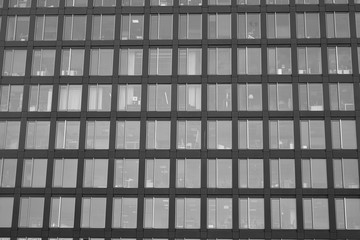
[{"x": 179, "y": 119}]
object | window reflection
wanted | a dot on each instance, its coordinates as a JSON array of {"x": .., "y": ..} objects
[
  {"x": 187, "y": 213},
  {"x": 219, "y": 173},
  {"x": 188, "y": 173},
  {"x": 219, "y": 135},
  {"x": 219, "y": 213},
  {"x": 251, "y": 213},
  {"x": 283, "y": 213},
  {"x": 251, "y": 173}
]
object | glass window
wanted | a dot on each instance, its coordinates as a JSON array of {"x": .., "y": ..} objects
[
  {"x": 34, "y": 173},
  {"x": 126, "y": 173},
  {"x": 10, "y": 132},
  {"x": 188, "y": 134},
  {"x": 346, "y": 173},
  {"x": 311, "y": 97},
  {"x": 95, "y": 173},
  {"x": 307, "y": 24},
  {"x": 347, "y": 213},
  {"x": 314, "y": 174},
  {"x": 19, "y": 3},
  {"x": 343, "y": 134},
  {"x": 306, "y": 1},
  {"x": 249, "y": 26},
  {"x": 127, "y": 134},
  {"x": 31, "y": 212},
  {"x": 219, "y": 61},
  {"x": 219, "y": 135},
  {"x": 65, "y": 173},
  {"x": 219, "y": 2},
  {"x": 7, "y": 173},
  {"x": 132, "y": 3},
  {"x": 131, "y": 62},
  {"x": 282, "y": 2},
  {"x": 188, "y": 173},
  {"x": 161, "y": 3},
  {"x": 62, "y": 212},
  {"x": 124, "y": 212},
  {"x": 312, "y": 134},
  {"x": 279, "y": 61},
  {"x": 72, "y": 62},
  {"x": 189, "y": 97},
  {"x": 337, "y": 25},
  {"x": 219, "y": 97},
  {"x": 157, "y": 173},
  {"x": 219, "y": 26},
  {"x": 219, "y": 213},
  {"x": 156, "y": 213},
  {"x": 251, "y": 213},
  {"x": 99, "y": 98},
  {"x": 74, "y": 27},
  {"x": 47, "y": 3},
  {"x": 251, "y": 173},
  {"x": 357, "y": 22},
  {"x": 160, "y": 61},
  {"x": 281, "y": 134},
  {"x": 219, "y": 173},
  {"x": 336, "y": 1},
  {"x": 129, "y": 97},
  {"x": 316, "y": 213},
  {"x": 93, "y": 212},
  {"x": 278, "y": 25},
  {"x": 158, "y": 134},
  {"x": 17, "y": 28},
  {"x": 161, "y": 26},
  {"x": 248, "y": 2},
  {"x": 103, "y": 27},
  {"x": 70, "y": 98},
  {"x": 282, "y": 173},
  {"x": 97, "y": 134},
  {"x": 104, "y": 3},
  {"x": 67, "y": 134},
  {"x": 159, "y": 97},
  {"x": 250, "y": 134},
  {"x": 11, "y": 97},
  {"x": 14, "y": 62},
  {"x": 187, "y": 213},
  {"x": 341, "y": 96},
  {"x": 46, "y": 27},
  {"x": 43, "y": 62},
  {"x": 339, "y": 60},
  {"x": 101, "y": 62},
  {"x": 249, "y": 97},
  {"x": 190, "y": 62},
  {"x": 6, "y": 208},
  {"x": 190, "y": 26},
  {"x": 190, "y": 2},
  {"x": 249, "y": 61},
  {"x": 280, "y": 97},
  {"x": 76, "y": 3},
  {"x": 309, "y": 60},
  {"x": 37, "y": 135},
  {"x": 132, "y": 27},
  {"x": 283, "y": 213}
]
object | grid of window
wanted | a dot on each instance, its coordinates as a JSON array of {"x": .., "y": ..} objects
[{"x": 163, "y": 119}]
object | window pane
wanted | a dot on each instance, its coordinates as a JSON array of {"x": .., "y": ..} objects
[
  {"x": 126, "y": 173},
  {"x": 65, "y": 173},
  {"x": 6, "y": 209}
]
